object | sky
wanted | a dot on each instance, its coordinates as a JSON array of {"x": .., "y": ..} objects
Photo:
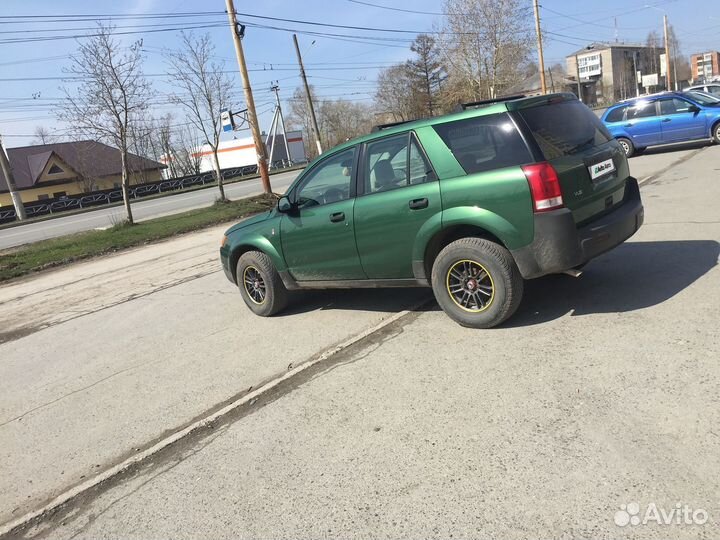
[{"x": 339, "y": 66}]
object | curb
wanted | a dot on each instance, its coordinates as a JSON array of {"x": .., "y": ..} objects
[{"x": 17, "y": 524}]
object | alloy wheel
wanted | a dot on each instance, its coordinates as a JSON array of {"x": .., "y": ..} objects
[
  {"x": 470, "y": 286},
  {"x": 254, "y": 284}
]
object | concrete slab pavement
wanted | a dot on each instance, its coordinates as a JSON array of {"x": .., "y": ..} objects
[
  {"x": 602, "y": 391},
  {"x": 139, "y": 350}
]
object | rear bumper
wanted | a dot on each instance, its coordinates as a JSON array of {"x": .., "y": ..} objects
[{"x": 559, "y": 245}]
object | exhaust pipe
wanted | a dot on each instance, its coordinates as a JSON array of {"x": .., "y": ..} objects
[{"x": 574, "y": 272}]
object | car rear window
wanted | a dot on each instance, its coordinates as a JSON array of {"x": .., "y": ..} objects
[
  {"x": 616, "y": 115},
  {"x": 484, "y": 143},
  {"x": 565, "y": 128}
]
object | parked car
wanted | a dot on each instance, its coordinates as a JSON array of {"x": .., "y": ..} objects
[
  {"x": 703, "y": 98},
  {"x": 668, "y": 117},
  {"x": 469, "y": 203},
  {"x": 710, "y": 88}
]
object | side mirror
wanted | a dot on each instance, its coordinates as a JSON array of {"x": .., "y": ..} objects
[{"x": 284, "y": 205}]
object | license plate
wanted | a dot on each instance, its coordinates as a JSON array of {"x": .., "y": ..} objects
[{"x": 601, "y": 169}]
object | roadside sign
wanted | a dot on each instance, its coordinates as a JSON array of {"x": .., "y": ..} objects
[
  {"x": 650, "y": 80},
  {"x": 226, "y": 118}
]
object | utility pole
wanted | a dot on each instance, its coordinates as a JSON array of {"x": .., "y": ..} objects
[
  {"x": 237, "y": 32},
  {"x": 276, "y": 89},
  {"x": 667, "y": 54},
  {"x": 10, "y": 180},
  {"x": 540, "y": 47},
  {"x": 309, "y": 97}
]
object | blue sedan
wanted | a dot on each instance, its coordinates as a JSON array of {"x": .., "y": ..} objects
[{"x": 664, "y": 118}]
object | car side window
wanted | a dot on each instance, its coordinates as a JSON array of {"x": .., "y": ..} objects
[
  {"x": 616, "y": 115},
  {"x": 486, "y": 142},
  {"x": 674, "y": 106},
  {"x": 643, "y": 109},
  {"x": 328, "y": 182},
  {"x": 395, "y": 162},
  {"x": 714, "y": 90},
  {"x": 386, "y": 164}
]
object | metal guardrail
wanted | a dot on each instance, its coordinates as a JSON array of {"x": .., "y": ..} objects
[{"x": 98, "y": 198}]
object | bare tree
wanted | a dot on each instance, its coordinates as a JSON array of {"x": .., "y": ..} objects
[
  {"x": 396, "y": 94},
  {"x": 338, "y": 120},
  {"x": 43, "y": 136},
  {"x": 343, "y": 120},
  {"x": 85, "y": 152},
  {"x": 649, "y": 58},
  {"x": 300, "y": 116},
  {"x": 484, "y": 44},
  {"x": 185, "y": 152},
  {"x": 203, "y": 90},
  {"x": 111, "y": 98}
]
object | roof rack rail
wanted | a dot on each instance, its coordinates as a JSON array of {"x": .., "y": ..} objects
[
  {"x": 380, "y": 127},
  {"x": 465, "y": 106}
]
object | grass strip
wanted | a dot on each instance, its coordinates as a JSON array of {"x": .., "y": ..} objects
[{"x": 16, "y": 262}]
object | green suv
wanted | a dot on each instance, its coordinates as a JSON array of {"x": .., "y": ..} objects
[{"x": 471, "y": 204}]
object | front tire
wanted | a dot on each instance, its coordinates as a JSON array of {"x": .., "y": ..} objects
[
  {"x": 627, "y": 146},
  {"x": 716, "y": 133},
  {"x": 260, "y": 285},
  {"x": 476, "y": 282}
]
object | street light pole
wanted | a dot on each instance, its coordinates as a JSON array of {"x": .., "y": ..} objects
[
  {"x": 577, "y": 75},
  {"x": 667, "y": 54}
]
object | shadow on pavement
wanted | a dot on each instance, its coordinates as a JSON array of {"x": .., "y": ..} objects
[
  {"x": 676, "y": 147},
  {"x": 391, "y": 300},
  {"x": 635, "y": 275}
]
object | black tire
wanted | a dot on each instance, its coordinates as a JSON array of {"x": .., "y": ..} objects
[
  {"x": 716, "y": 133},
  {"x": 260, "y": 285},
  {"x": 468, "y": 257},
  {"x": 627, "y": 146}
]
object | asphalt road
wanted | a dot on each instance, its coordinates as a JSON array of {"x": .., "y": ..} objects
[
  {"x": 600, "y": 392},
  {"x": 106, "y": 217}
]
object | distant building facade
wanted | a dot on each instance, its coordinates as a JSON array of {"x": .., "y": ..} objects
[
  {"x": 705, "y": 66},
  {"x": 610, "y": 72},
  {"x": 49, "y": 171}
]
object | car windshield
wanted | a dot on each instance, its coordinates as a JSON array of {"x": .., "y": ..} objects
[{"x": 702, "y": 98}]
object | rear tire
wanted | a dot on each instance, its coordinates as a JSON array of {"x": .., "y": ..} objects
[
  {"x": 627, "y": 146},
  {"x": 476, "y": 282},
  {"x": 716, "y": 133},
  {"x": 260, "y": 285}
]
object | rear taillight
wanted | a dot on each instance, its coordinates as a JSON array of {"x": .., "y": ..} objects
[{"x": 544, "y": 186}]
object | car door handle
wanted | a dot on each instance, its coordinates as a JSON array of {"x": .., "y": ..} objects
[
  {"x": 417, "y": 204},
  {"x": 666, "y": 119},
  {"x": 337, "y": 217},
  {"x": 629, "y": 124}
]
